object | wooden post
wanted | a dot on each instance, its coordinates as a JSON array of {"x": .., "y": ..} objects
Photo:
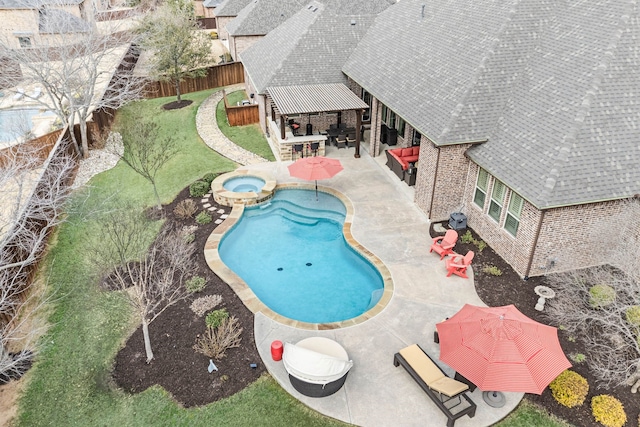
[
  {"x": 358, "y": 126},
  {"x": 282, "y": 130}
]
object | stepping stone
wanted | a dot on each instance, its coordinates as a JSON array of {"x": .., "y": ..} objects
[
  {"x": 205, "y": 200},
  {"x": 211, "y": 209},
  {"x": 224, "y": 216},
  {"x": 438, "y": 228},
  {"x": 217, "y": 221},
  {"x": 220, "y": 211},
  {"x": 206, "y": 205}
]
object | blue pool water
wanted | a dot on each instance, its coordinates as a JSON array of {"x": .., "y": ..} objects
[
  {"x": 293, "y": 255},
  {"x": 244, "y": 184},
  {"x": 14, "y": 122}
]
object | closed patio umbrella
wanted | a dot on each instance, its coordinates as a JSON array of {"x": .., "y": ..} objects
[
  {"x": 499, "y": 348},
  {"x": 315, "y": 168}
]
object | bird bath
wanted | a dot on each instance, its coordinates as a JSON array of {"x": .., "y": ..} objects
[{"x": 544, "y": 293}]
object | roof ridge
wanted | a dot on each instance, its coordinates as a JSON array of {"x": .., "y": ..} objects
[
  {"x": 479, "y": 70},
  {"x": 569, "y": 140}
]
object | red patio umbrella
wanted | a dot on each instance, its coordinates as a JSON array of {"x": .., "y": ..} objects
[
  {"x": 499, "y": 348},
  {"x": 315, "y": 168}
]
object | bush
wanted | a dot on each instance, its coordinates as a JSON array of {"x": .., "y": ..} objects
[
  {"x": 208, "y": 178},
  {"x": 199, "y": 188},
  {"x": 215, "y": 341},
  {"x": 185, "y": 209},
  {"x": 467, "y": 237},
  {"x": 215, "y": 318},
  {"x": 213, "y": 35},
  {"x": 601, "y": 296},
  {"x": 195, "y": 284},
  {"x": 203, "y": 218},
  {"x": 492, "y": 270},
  {"x": 577, "y": 357},
  {"x": 608, "y": 411},
  {"x": 203, "y": 304},
  {"x": 569, "y": 389},
  {"x": 633, "y": 315}
]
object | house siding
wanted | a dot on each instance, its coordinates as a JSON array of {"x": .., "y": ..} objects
[
  {"x": 239, "y": 44},
  {"x": 221, "y": 24}
]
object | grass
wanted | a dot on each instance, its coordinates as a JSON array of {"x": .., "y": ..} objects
[
  {"x": 528, "y": 414},
  {"x": 70, "y": 383},
  {"x": 249, "y": 137}
]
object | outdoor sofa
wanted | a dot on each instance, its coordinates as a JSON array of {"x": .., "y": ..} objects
[{"x": 398, "y": 159}]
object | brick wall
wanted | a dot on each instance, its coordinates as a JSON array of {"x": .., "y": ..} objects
[
  {"x": 239, "y": 44},
  {"x": 221, "y": 23}
]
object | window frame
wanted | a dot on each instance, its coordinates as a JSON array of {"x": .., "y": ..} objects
[
  {"x": 510, "y": 214},
  {"x": 494, "y": 199},
  {"x": 483, "y": 191}
]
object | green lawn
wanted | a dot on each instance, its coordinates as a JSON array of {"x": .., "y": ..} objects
[
  {"x": 249, "y": 137},
  {"x": 70, "y": 383},
  {"x": 529, "y": 415}
]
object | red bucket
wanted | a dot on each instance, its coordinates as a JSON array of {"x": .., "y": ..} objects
[{"x": 276, "y": 350}]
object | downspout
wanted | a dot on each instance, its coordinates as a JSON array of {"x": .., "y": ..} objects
[
  {"x": 433, "y": 189},
  {"x": 535, "y": 243}
]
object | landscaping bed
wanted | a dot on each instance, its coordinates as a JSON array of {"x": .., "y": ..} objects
[
  {"x": 509, "y": 288},
  {"x": 177, "y": 367}
]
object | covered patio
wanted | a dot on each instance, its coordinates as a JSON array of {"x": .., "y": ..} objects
[{"x": 301, "y": 116}]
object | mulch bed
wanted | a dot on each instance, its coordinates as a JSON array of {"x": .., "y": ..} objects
[
  {"x": 510, "y": 288},
  {"x": 177, "y": 367},
  {"x": 176, "y": 105}
]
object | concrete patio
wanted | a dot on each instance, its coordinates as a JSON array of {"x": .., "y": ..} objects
[{"x": 386, "y": 222}]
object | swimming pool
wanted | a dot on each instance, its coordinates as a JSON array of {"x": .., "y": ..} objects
[
  {"x": 293, "y": 255},
  {"x": 15, "y": 122}
]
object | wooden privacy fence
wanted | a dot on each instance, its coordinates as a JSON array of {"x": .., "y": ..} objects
[
  {"x": 207, "y": 23},
  {"x": 240, "y": 115},
  {"x": 217, "y": 76}
]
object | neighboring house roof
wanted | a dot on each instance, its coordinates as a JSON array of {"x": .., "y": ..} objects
[
  {"x": 56, "y": 21},
  {"x": 211, "y": 3},
  {"x": 261, "y": 16},
  {"x": 551, "y": 86},
  {"x": 312, "y": 45},
  {"x": 315, "y": 98},
  {"x": 231, "y": 7}
]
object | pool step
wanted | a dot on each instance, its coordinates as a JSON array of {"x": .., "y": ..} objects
[
  {"x": 308, "y": 212},
  {"x": 295, "y": 217}
]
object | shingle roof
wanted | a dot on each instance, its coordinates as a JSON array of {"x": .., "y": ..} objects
[
  {"x": 34, "y": 4},
  {"x": 315, "y": 98},
  {"x": 231, "y": 7},
  {"x": 56, "y": 21},
  {"x": 261, "y": 16},
  {"x": 312, "y": 45},
  {"x": 211, "y": 3},
  {"x": 552, "y": 86}
]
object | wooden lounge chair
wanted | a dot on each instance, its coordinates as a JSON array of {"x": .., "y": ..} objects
[
  {"x": 448, "y": 394},
  {"x": 457, "y": 264},
  {"x": 444, "y": 245}
]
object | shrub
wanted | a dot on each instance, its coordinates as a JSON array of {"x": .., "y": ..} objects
[
  {"x": 215, "y": 341},
  {"x": 195, "y": 284},
  {"x": 185, "y": 209},
  {"x": 492, "y": 270},
  {"x": 215, "y": 318},
  {"x": 608, "y": 411},
  {"x": 467, "y": 237},
  {"x": 199, "y": 188},
  {"x": 577, "y": 357},
  {"x": 213, "y": 35},
  {"x": 569, "y": 389},
  {"x": 203, "y": 218},
  {"x": 209, "y": 177},
  {"x": 480, "y": 244},
  {"x": 203, "y": 304},
  {"x": 601, "y": 296},
  {"x": 633, "y": 315}
]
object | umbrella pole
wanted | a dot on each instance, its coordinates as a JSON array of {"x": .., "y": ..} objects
[
  {"x": 495, "y": 399},
  {"x": 316, "y": 190}
]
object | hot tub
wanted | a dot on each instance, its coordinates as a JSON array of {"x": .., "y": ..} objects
[
  {"x": 241, "y": 186},
  {"x": 244, "y": 184}
]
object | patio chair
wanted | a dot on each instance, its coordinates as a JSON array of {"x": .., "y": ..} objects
[
  {"x": 457, "y": 264},
  {"x": 297, "y": 149},
  {"x": 443, "y": 245},
  {"x": 19, "y": 94},
  {"x": 37, "y": 92},
  {"x": 447, "y": 393},
  {"x": 314, "y": 147},
  {"x": 351, "y": 140},
  {"x": 341, "y": 141}
]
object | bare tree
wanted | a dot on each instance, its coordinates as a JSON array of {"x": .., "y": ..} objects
[
  {"x": 179, "y": 48},
  {"x": 32, "y": 196},
  {"x": 146, "y": 151},
  {"x": 609, "y": 325},
  {"x": 71, "y": 67},
  {"x": 153, "y": 278}
]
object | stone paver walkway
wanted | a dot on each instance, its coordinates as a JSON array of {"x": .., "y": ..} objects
[{"x": 211, "y": 134}]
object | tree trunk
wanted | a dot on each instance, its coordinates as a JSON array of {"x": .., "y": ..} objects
[
  {"x": 84, "y": 138},
  {"x": 71, "y": 124},
  {"x": 147, "y": 340},
  {"x": 178, "y": 89},
  {"x": 155, "y": 191}
]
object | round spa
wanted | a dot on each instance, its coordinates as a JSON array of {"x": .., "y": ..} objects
[
  {"x": 317, "y": 366},
  {"x": 241, "y": 186}
]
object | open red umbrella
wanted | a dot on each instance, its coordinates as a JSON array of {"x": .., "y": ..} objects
[
  {"x": 499, "y": 348},
  {"x": 315, "y": 168}
]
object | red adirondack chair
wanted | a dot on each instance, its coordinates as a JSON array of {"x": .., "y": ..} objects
[
  {"x": 444, "y": 245},
  {"x": 457, "y": 264}
]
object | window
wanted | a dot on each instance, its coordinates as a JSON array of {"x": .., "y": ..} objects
[
  {"x": 24, "y": 41},
  {"x": 497, "y": 198},
  {"x": 385, "y": 113},
  {"x": 513, "y": 213},
  {"x": 481, "y": 188},
  {"x": 417, "y": 136},
  {"x": 366, "y": 97},
  {"x": 400, "y": 126},
  {"x": 392, "y": 119}
]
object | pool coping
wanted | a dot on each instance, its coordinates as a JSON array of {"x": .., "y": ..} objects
[{"x": 249, "y": 298}]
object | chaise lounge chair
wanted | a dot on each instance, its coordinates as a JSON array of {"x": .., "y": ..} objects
[
  {"x": 457, "y": 264},
  {"x": 444, "y": 245},
  {"x": 19, "y": 94},
  {"x": 448, "y": 394}
]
